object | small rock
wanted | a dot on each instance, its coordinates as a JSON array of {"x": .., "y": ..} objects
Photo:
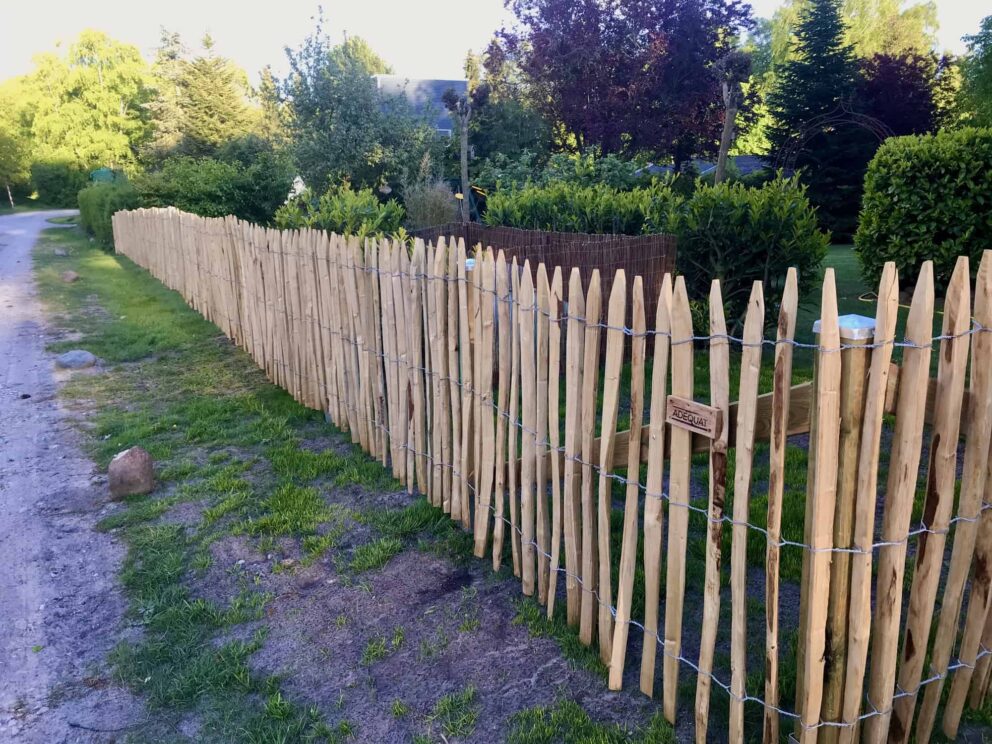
[
  {"x": 69, "y": 276},
  {"x": 130, "y": 472},
  {"x": 75, "y": 359},
  {"x": 25, "y": 396},
  {"x": 60, "y": 252},
  {"x": 287, "y": 562}
]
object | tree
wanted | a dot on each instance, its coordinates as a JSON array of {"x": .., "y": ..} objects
[
  {"x": 734, "y": 70},
  {"x": 341, "y": 126},
  {"x": 213, "y": 93},
  {"x": 630, "y": 75},
  {"x": 165, "y": 109},
  {"x": 462, "y": 106},
  {"x": 819, "y": 79},
  {"x": 15, "y": 151},
  {"x": 510, "y": 122},
  {"x": 355, "y": 50},
  {"x": 899, "y": 91},
  {"x": 870, "y": 27},
  {"x": 88, "y": 107},
  {"x": 976, "y": 73}
]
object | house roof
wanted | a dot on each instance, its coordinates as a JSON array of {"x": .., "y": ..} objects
[
  {"x": 745, "y": 164},
  {"x": 424, "y": 95}
]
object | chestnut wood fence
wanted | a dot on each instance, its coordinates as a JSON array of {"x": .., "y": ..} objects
[{"x": 486, "y": 390}]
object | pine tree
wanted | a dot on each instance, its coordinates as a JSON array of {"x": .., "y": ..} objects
[
  {"x": 819, "y": 77},
  {"x": 213, "y": 102}
]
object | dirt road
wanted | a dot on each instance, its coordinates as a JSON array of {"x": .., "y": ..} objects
[{"x": 60, "y": 607}]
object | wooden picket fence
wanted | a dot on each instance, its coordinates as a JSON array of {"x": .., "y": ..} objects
[{"x": 487, "y": 391}]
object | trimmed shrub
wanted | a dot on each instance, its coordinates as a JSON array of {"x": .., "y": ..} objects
[
  {"x": 741, "y": 235},
  {"x": 342, "y": 210},
  {"x": 99, "y": 202},
  {"x": 730, "y": 232},
  {"x": 566, "y": 207},
  {"x": 57, "y": 182},
  {"x": 927, "y": 197}
]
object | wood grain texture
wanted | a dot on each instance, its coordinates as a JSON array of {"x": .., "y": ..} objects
[
  {"x": 720, "y": 401},
  {"x": 653, "y": 501},
  {"x": 678, "y": 492},
  {"x": 939, "y": 498},
  {"x": 590, "y": 387},
  {"x": 571, "y": 498},
  {"x": 554, "y": 434},
  {"x": 864, "y": 517},
  {"x": 822, "y": 507},
  {"x": 903, "y": 468}
]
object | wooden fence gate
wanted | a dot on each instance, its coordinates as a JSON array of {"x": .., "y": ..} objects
[{"x": 616, "y": 488}]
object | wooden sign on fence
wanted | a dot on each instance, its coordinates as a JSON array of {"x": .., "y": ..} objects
[{"x": 696, "y": 417}]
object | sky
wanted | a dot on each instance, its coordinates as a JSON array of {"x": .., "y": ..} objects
[{"x": 419, "y": 38}]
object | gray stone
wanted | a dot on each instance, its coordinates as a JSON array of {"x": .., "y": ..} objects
[
  {"x": 75, "y": 359},
  {"x": 60, "y": 252},
  {"x": 69, "y": 276},
  {"x": 130, "y": 473}
]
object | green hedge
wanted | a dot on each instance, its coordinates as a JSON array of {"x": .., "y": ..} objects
[
  {"x": 57, "y": 182},
  {"x": 567, "y": 207},
  {"x": 99, "y": 202},
  {"x": 927, "y": 197},
  {"x": 250, "y": 184},
  {"x": 733, "y": 232}
]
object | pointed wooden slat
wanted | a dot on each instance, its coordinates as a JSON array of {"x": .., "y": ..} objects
[
  {"x": 719, "y": 359},
  {"x": 973, "y": 483},
  {"x": 822, "y": 507},
  {"x": 615, "y": 319},
  {"x": 865, "y": 499},
  {"x": 903, "y": 469},
  {"x": 776, "y": 487},
  {"x": 628, "y": 549},
  {"x": 514, "y": 434},
  {"x": 487, "y": 463},
  {"x": 678, "y": 492},
  {"x": 417, "y": 363},
  {"x": 467, "y": 382},
  {"x": 505, "y": 332},
  {"x": 980, "y": 593},
  {"x": 571, "y": 507},
  {"x": 554, "y": 432},
  {"x": 744, "y": 459},
  {"x": 939, "y": 498},
  {"x": 653, "y": 502},
  {"x": 542, "y": 528},
  {"x": 454, "y": 382},
  {"x": 590, "y": 387},
  {"x": 528, "y": 397}
]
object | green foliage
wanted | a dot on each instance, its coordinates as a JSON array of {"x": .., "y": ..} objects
[
  {"x": 342, "y": 127},
  {"x": 429, "y": 203},
  {"x": 927, "y": 198},
  {"x": 567, "y": 721},
  {"x": 342, "y": 210},
  {"x": 57, "y": 182},
  {"x": 212, "y": 99},
  {"x": 976, "y": 89},
  {"x": 97, "y": 205},
  {"x": 731, "y": 232},
  {"x": 740, "y": 235},
  {"x": 87, "y": 107},
  {"x": 248, "y": 179},
  {"x": 586, "y": 168},
  {"x": 568, "y": 207}
]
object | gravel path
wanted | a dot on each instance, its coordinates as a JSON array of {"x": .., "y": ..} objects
[{"x": 60, "y": 605}]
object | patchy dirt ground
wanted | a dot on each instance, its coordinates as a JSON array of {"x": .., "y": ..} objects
[{"x": 60, "y": 606}]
